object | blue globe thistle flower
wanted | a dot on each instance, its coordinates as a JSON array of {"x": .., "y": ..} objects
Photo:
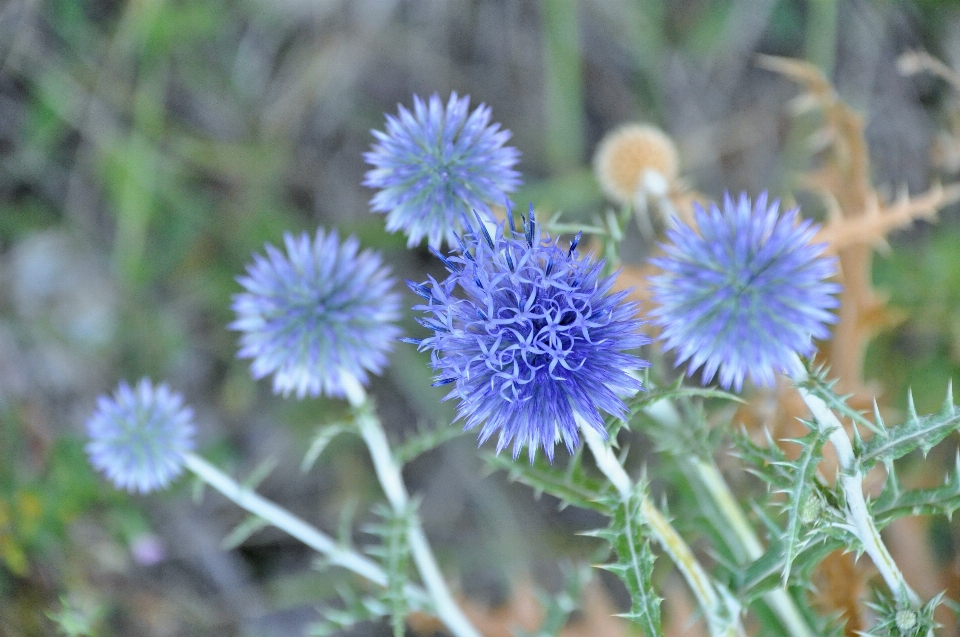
[
  {"x": 316, "y": 317},
  {"x": 139, "y": 436},
  {"x": 435, "y": 165},
  {"x": 745, "y": 292},
  {"x": 534, "y": 341}
]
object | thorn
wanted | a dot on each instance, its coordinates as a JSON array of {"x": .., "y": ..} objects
[
  {"x": 948, "y": 405},
  {"x": 877, "y": 418},
  {"x": 911, "y": 407}
]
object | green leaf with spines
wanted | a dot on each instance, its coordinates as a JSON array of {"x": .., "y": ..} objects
[
  {"x": 635, "y": 558},
  {"x": 394, "y": 553},
  {"x": 642, "y": 400},
  {"x": 240, "y": 533},
  {"x": 818, "y": 385},
  {"x": 356, "y": 609},
  {"x": 557, "y": 607},
  {"x": 799, "y": 495},
  {"x": 321, "y": 440},
  {"x": 571, "y": 484},
  {"x": 260, "y": 473},
  {"x": 680, "y": 429},
  {"x": 896, "y": 502},
  {"x": 766, "y": 573},
  {"x": 922, "y": 432},
  {"x": 424, "y": 441}
]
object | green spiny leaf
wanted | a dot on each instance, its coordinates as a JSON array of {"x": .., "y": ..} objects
[
  {"x": 895, "y": 502},
  {"x": 259, "y": 473},
  {"x": 424, "y": 441},
  {"x": 677, "y": 390},
  {"x": 819, "y": 386},
  {"x": 921, "y": 432},
  {"x": 799, "y": 495},
  {"x": 634, "y": 563},
  {"x": 394, "y": 552},
  {"x": 242, "y": 532},
  {"x": 558, "y": 607},
  {"x": 321, "y": 440},
  {"x": 356, "y": 609},
  {"x": 571, "y": 485}
]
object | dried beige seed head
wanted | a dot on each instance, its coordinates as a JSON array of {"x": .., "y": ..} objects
[{"x": 635, "y": 158}]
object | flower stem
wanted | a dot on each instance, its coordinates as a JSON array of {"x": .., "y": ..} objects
[
  {"x": 279, "y": 517},
  {"x": 851, "y": 481},
  {"x": 780, "y": 602},
  {"x": 715, "y": 609},
  {"x": 391, "y": 480}
]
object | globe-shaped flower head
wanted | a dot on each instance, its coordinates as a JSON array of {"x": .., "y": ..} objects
[
  {"x": 138, "y": 437},
  {"x": 745, "y": 292},
  {"x": 530, "y": 338},
  {"x": 435, "y": 165},
  {"x": 316, "y": 317}
]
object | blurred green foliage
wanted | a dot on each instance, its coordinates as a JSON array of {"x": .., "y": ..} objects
[{"x": 141, "y": 131}]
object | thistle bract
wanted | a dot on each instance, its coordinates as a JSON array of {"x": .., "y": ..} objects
[
  {"x": 138, "y": 437},
  {"x": 316, "y": 315},
  {"x": 745, "y": 292},
  {"x": 530, "y": 338},
  {"x": 435, "y": 165}
]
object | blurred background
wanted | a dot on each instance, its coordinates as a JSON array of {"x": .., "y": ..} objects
[{"x": 148, "y": 147}]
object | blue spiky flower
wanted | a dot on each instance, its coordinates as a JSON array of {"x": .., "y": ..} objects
[
  {"x": 316, "y": 317},
  {"x": 745, "y": 292},
  {"x": 138, "y": 437},
  {"x": 530, "y": 337},
  {"x": 435, "y": 165}
]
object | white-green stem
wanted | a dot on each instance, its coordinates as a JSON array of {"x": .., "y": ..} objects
[
  {"x": 851, "y": 481},
  {"x": 279, "y": 517},
  {"x": 780, "y": 602},
  {"x": 714, "y": 608},
  {"x": 391, "y": 480}
]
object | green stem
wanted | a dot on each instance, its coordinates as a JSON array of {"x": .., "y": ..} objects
[
  {"x": 391, "y": 480},
  {"x": 721, "y": 619},
  {"x": 858, "y": 516},
  {"x": 279, "y": 517},
  {"x": 710, "y": 477}
]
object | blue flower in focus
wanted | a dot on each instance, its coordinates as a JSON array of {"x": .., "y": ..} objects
[
  {"x": 139, "y": 436},
  {"x": 530, "y": 338},
  {"x": 745, "y": 292},
  {"x": 435, "y": 165},
  {"x": 316, "y": 317}
]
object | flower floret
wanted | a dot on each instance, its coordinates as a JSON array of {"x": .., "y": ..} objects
[
  {"x": 745, "y": 292},
  {"x": 433, "y": 166},
  {"x": 138, "y": 437},
  {"x": 317, "y": 316},
  {"x": 529, "y": 337}
]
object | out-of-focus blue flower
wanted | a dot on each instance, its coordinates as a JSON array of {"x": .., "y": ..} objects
[
  {"x": 316, "y": 317},
  {"x": 435, "y": 165},
  {"x": 138, "y": 437},
  {"x": 534, "y": 339},
  {"x": 745, "y": 292}
]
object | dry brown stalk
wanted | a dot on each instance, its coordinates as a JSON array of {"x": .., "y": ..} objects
[
  {"x": 859, "y": 221},
  {"x": 879, "y": 220}
]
